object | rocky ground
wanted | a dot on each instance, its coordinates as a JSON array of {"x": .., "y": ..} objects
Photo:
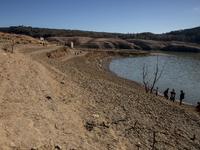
[{"x": 68, "y": 102}]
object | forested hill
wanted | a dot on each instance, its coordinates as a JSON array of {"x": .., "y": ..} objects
[{"x": 187, "y": 35}]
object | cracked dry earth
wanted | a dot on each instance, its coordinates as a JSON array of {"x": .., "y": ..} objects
[{"x": 66, "y": 104}]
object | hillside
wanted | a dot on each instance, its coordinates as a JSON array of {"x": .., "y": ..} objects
[
  {"x": 187, "y": 40},
  {"x": 93, "y": 43},
  {"x": 188, "y": 35},
  {"x": 116, "y": 44},
  {"x": 18, "y": 39}
]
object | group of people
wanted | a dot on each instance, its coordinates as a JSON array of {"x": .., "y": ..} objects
[
  {"x": 77, "y": 53},
  {"x": 172, "y": 95}
]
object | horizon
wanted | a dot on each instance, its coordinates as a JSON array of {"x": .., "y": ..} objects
[
  {"x": 129, "y": 16},
  {"x": 96, "y": 31}
]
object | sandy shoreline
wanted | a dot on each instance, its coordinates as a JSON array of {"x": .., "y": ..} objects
[
  {"x": 105, "y": 64},
  {"x": 107, "y": 60},
  {"x": 72, "y": 103}
]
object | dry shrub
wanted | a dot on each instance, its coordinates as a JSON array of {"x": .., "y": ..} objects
[
  {"x": 8, "y": 47},
  {"x": 58, "y": 53}
]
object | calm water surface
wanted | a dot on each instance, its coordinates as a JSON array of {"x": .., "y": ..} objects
[{"x": 181, "y": 72}]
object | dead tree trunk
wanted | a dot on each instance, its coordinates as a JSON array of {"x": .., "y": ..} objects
[
  {"x": 156, "y": 76},
  {"x": 12, "y": 47},
  {"x": 145, "y": 81},
  {"x": 154, "y": 139}
]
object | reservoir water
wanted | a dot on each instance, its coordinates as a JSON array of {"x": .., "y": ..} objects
[{"x": 181, "y": 72}]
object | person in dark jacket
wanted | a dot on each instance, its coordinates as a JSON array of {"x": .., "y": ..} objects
[
  {"x": 156, "y": 91},
  {"x": 181, "y": 97},
  {"x": 166, "y": 93},
  {"x": 198, "y": 107},
  {"x": 172, "y": 96}
]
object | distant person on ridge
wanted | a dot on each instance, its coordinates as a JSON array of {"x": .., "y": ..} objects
[
  {"x": 182, "y": 96},
  {"x": 172, "y": 96},
  {"x": 166, "y": 93},
  {"x": 156, "y": 91}
]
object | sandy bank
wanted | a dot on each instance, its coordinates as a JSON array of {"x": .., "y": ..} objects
[
  {"x": 121, "y": 103},
  {"x": 71, "y": 103}
]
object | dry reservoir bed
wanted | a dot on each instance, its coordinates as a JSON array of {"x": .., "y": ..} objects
[{"x": 68, "y": 103}]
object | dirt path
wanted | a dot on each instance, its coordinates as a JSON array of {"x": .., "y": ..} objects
[
  {"x": 49, "y": 104},
  {"x": 33, "y": 105}
]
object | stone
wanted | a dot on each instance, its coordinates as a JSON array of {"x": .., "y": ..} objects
[
  {"x": 48, "y": 97},
  {"x": 58, "y": 147},
  {"x": 138, "y": 144},
  {"x": 95, "y": 115}
]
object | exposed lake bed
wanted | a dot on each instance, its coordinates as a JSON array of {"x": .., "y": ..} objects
[
  {"x": 83, "y": 107},
  {"x": 68, "y": 101}
]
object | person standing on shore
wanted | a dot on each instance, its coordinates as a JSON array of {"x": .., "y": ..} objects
[
  {"x": 156, "y": 91},
  {"x": 182, "y": 96},
  {"x": 198, "y": 107},
  {"x": 172, "y": 96},
  {"x": 166, "y": 93}
]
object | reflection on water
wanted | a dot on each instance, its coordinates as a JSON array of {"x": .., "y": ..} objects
[{"x": 181, "y": 72}]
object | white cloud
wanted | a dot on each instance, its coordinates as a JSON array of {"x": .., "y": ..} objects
[{"x": 196, "y": 10}]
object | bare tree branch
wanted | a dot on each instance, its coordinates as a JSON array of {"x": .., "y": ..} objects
[
  {"x": 145, "y": 72},
  {"x": 156, "y": 76}
]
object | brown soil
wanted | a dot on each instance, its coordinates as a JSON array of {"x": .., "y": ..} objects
[
  {"x": 19, "y": 39},
  {"x": 70, "y": 103}
]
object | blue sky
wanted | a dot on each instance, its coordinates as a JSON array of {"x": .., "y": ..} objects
[{"x": 118, "y": 16}]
